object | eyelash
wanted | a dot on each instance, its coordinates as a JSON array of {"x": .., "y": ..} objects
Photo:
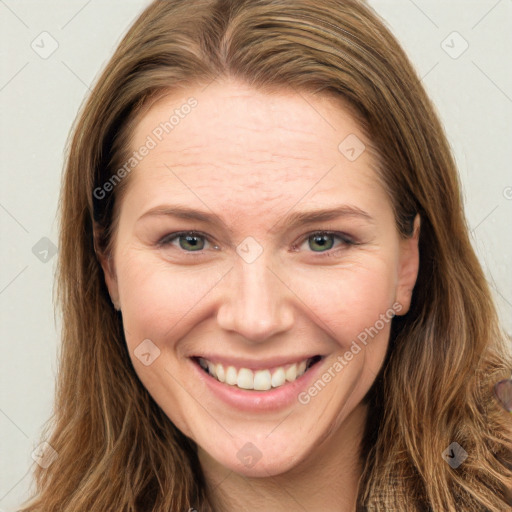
[{"x": 346, "y": 241}]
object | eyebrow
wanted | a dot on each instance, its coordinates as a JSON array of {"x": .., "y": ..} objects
[{"x": 291, "y": 221}]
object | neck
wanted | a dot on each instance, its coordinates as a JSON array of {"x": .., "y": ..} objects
[{"x": 328, "y": 478}]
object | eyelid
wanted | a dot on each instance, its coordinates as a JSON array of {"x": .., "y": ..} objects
[
  {"x": 344, "y": 237},
  {"x": 171, "y": 237},
  {"x": 176, "y": 234}
]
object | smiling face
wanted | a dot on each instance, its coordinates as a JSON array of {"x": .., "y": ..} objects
[{"x": 257, "y": 293}]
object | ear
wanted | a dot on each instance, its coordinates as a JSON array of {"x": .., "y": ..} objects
[
  {"x": 409, "y": 263},
  {"x": 107, "y": 265}
]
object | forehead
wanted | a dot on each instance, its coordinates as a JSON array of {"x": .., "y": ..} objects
[{"x": 241, "y": 144}]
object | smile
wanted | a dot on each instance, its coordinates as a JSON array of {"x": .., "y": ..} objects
[{"x": 257, "y": 380}]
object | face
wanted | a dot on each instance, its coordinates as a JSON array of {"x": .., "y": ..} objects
[{"x": 253, "y": 251}]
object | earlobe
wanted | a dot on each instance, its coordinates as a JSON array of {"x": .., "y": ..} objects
[
  {"x": 111, "y": 280},
  {"x": 107, "y": 264},
  {"x": 408, "y": 267}
]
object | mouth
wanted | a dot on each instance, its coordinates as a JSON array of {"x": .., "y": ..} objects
[{"x": 263, "y": 379}]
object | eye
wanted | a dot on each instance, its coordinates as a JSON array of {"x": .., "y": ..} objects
[
  {"x": 324, "y": 242},
  {"x": 189, "y": 241},
  {"x": 195, "y": 241}
]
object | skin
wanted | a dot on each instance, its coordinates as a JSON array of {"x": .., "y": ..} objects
[{"x": 253, "y": 158}]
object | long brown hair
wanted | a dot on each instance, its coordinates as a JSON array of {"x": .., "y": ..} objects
[{"x": 116, "y": 448}]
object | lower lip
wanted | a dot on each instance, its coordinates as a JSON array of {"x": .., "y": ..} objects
[{"x": 257, "y": 401}]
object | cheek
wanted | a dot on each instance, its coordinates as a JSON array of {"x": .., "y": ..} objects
[
  {"x": 162, "y": 304},
  {"x": 165, "y": 304},
  {"x": 157, "y": 298},
  {"x": 355, "y": 306},
  {"x": 349, "y": 300}
]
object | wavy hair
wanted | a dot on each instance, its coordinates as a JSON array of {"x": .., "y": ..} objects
[{"x": 116, "y": 448}]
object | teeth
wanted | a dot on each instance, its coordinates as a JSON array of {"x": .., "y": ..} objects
[
  {"x": 291, "y": 373},
  {"x": 278, "y": 378},
  {"x": 260, "y": 380},
  {"x": 211, "y": 369},
  {"x": 245, "y": 379},
  {"x": 219, "y": 372},
  {"x": 231, "y": 376}
]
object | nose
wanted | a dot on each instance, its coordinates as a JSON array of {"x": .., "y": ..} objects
[{"x": 257, "y": 302}]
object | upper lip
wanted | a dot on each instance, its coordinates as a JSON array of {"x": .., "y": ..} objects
[{"x": 252, "y": 364}]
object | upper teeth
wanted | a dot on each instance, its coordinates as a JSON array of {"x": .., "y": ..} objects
[{"x": 259, "y": 380}]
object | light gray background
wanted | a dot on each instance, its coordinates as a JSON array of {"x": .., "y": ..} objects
[{"x": 39, "y": 98}]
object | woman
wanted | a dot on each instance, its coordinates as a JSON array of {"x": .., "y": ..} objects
[{"x": 216, "y": 354}]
